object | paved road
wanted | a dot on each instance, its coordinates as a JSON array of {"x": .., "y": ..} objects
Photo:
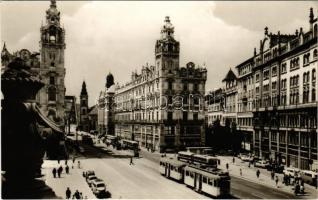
[{"x": 144, "y": 181}]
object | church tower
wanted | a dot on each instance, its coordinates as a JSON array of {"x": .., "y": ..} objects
[
  {"x": 167, "y": 50},
  {"x": 84, "y": 124},
  {"x": 52, "y": 69}
]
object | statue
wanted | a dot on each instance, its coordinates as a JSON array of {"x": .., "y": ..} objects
[{"x": 23, "y": 146}]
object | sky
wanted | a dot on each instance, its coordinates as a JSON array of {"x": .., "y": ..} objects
[{"x": 119, "y": 37}]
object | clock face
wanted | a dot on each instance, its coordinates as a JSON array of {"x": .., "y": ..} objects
[{"x": 52, "y": 38}]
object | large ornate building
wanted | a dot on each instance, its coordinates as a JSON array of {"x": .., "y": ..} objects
[
  {"x": 163, "y": 107},
  {"x": 49, "y": 67},
  {"x": 275, "y": 98}
]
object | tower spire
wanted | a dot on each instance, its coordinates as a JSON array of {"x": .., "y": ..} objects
[{"x": 53, "y": 3}]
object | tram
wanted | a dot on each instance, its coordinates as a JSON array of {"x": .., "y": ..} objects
[
  {"x": 212, "y": 182},
  {"x": 204, "y": 160},
  {"x": 172, "y": 168}
]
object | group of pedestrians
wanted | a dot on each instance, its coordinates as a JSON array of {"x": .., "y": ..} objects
[
  {"x": 57, "y": 172},
  {"x": 76, "y": 195}
]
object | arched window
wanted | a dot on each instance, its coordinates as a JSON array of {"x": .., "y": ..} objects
[{"x": 52, "y": 94}]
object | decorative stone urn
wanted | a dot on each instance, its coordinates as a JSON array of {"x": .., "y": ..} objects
[{"x": 22, "y": 144}]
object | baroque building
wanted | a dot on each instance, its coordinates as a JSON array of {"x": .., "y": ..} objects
[
  {"x": 48, "y": 65},
  {"x": 163, "y": 107}
]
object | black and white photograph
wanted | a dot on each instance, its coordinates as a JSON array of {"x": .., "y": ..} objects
[{"x": 159, "y": 99}]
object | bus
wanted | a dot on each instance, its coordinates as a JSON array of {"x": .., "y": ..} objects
[
  {"x": 215, "y": 183},
  {"x": 201, "y": 150},
  {"x": 129, "y": 144},
  {"x": 172, "y": 168}
]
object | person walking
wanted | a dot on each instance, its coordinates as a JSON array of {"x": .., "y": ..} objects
[
  {"x": 233, "y": 159},
  {"x": 258, "y": 173},
  {"x": 54, "y": 172},
  {"x": 249, "y": 164},
  {"x": 59, "y": 171},
  {"x": 67, "y": 169},
  {"x": 65, "y": 161},
  {"x": 68, "y": 193},
  {"x": 240, "y": 171},
  {"x": 276, "y": 180},
  {"x": 76, "y": 195},
  {"x": 78, "y": 164},
  {"x": 131, "y": 161},
  {"x": 272, "y": 175},
  {"x": 227, "y": 166}
]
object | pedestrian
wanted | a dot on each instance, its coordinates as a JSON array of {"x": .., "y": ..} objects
[
  {"x": 81, "y": 195},
  {"x": 272, "y": 175},
  {"x": 78, "y": 164},
  {"x": 240, "y": 171},
  {"x": 54, "y": 172},
  {"x": 76, "y": 195},
  {"x": 58, "y": 161},
  {"x": 68, "y": 193},
  {"x": 67, "y": 169},
  {"x": 258, "y": 173},
  {"x": 249, "y": 164},
  {"x": 73, "y": 159},
  {"x": 233, "y": 159},
  {"x": 65, "y": 161},
  {"x": 227, "y": 166},
  {"x": 59, "y": 171},
  {"x": 296, "y": 189},
  {"x": 131, "y": 161},
  {"x": 276, "y": 180}
]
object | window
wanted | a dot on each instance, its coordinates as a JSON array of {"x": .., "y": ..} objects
[
  {"x": 257, "y": 78},
  {"x": 185, "y": 86},
  {"x": 284, "y": 68},
  {"x": 257, "y": 89},
  {"x": 195, "y": 116},
  {"x": 52, "y": 94},
  {"x": 315, "y": 53},
  {"x": 195, "y": 87},
  {"x": 185, "y": 116},
  {"x": 274, "y": 85},
  {"x": 274, "y": 71},
  {"x": 170, "y": 85},
  {"x": 52, "y": 80},
  {"x": 313, "y": 95},
  {"x": 306, "y": 58},
  {"x": 266, "y": 74},
  {"x": 170, "y": 116},
  {"x": 313, "y": 75}
]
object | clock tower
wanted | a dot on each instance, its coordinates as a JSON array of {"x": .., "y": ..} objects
[{"x": 52, "y": 69}]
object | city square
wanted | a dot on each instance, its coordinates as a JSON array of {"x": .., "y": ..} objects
[{"x": 197, "y": 100}]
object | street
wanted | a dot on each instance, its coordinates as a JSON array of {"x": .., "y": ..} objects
[{"x": 142, "y": 180}]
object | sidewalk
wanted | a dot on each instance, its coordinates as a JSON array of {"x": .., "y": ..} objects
[
  {"x": 74, "y": 180},
  {"x": 264, "y": 178}
]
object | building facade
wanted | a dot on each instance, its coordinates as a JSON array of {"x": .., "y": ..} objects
[
  {"x": 48, "y": 65},
  {"x": 285, "y": 113},
  {"x": 215, "y": 106},
  {"x": 273, "y": 100},
  {"x": 163, "y": 107}
]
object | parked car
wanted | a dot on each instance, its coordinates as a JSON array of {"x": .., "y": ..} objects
[
  {"x": 245, "y": 157},
  {"x": 291, "y": 171},
  {"x": 261, "y": 164},
  {"x": 98, "y": 186},
  {"x": 88, "y": 173},
  {"x": 309, "y": 177},
  {"x": 90, "y": 179}
]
